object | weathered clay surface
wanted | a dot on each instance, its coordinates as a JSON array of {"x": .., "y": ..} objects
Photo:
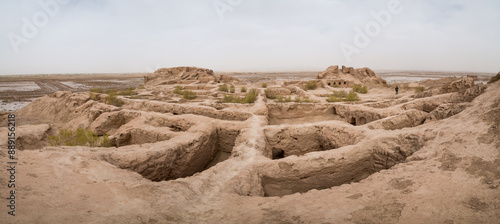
[{"x": 203, "y": 161}]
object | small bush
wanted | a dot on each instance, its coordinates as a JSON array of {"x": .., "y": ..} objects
[
  {"x": 282, "y": 99},
  {"x": 339, "y": 93},
  {"x": 232, "y": 89},
  {"x": 178, "y": 90},
  {"x": 111, "y": 91},
  {"x": 79, "y": 138},
  {"x": 188, "y": 95},
  {"x": 419, "y": 89},
  {"x": 264, "y": 85},
  {"x": 129, "y": 92},
  {"x": 113, "y": 100},
  {"x": 250, "y": 97},
  {"x": 339, "y": 96},
  {"x": 141, "y": 87},
  {"x": 352, "y": 96},
  {"x": 96, "y": 90},
  {"x": 333, "y": 99},
  {"x": 93, "y": 96},
  {"x": 269, "y": 95},
  {"x": 360, "y": 88},
  {"x": 223, "y": 88},
  {"x": 303, "y": 100},
  {"x": 311, "y": 85},
  {"x": 243, "y": 89}
]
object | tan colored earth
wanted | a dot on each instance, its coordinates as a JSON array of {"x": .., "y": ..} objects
[{"x": 430, "y": 154}]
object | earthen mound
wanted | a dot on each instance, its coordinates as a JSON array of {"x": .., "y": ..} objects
[
  {"x": 495, "y": 78},
  {"x": 185, "y": 75},
  {"x": 348, "y": 76}
]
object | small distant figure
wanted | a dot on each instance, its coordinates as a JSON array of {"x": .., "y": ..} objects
[{"x": 397, "y": 89}]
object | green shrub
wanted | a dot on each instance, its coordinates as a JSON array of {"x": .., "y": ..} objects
[
  {"x": 250, "y": 97},
  {"x": 232, "y": 89},
  {"x": 223, "y": 88},
  {"x": 79, "y": 138},
  {"x": 282, "y": 99},
  {"x": 360, "y": 88},
  {"x": 311, "y": 85},
  {"x": 93, "y": 96},
  {"x": 264, "y": 85},
  {"x": 333, "y": 99},
  {"x": 96, "y": 90},
  {"x": 339, "y": 93},
  {"x": 352, "y": 96},
  {"x": 129, "y": 92},
  {"x": 269, "y": 95},
  {"x": 243, "y": 89},
  {"x": 339, "y": 96},
  {"x": 178, "y": 90},
  {"x": 115, "y": 101},
  {"x": 141, "y": 87},
  {"x": 188, "y": 95},
  {"x": 303, "y": 100},
  {"x": 111, "y": 91},
  {"x": 419, "y": 89}
]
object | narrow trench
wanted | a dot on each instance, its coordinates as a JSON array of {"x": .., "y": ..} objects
[{"x": 304, "y": 174}]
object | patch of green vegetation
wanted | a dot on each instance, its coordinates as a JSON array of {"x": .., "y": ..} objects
[
  {"x": 189, "y": 95},
  {"x": 269, "y": 95},
  {"x": 232, "y": 89},
  {"x": 303, "y": 100},
  {"x": 339, "y": 96},
  {"x": 113, "y": 100},
  {"x": 282, "y": 99},
  {"x": 311, "y": 85},
  {"x": 79, "y": 138},
  {"x": 250, "y": 97},
  {"x": 264, "y": 85},
  {"x": 93, "y": 96},
  {"x": 178, "y": 90},
  {"x": 223, "y": 88},
  {"x": 141, "y": 87},
  {"x": 243, "y": 89},
  {"x": 360, "y": 88},
  {"x": 352, "y": 96},
  {"x": 129, "y": 92},
  {"x": 96, "y": 90}
]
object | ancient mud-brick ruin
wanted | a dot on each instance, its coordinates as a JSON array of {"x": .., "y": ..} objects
[{"x": 422, "y": 155}]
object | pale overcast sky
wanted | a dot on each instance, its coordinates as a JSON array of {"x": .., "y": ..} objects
[{"x": 91, "y": 36}]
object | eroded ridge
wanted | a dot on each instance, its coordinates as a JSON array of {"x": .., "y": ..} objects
[{"x": 281, "y": 142}]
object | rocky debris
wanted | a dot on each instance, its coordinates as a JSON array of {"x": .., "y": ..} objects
[
  {"x": 363, "y": 76},
  {"x": 178, "y": 74}
]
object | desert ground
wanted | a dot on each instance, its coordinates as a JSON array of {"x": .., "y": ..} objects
[{"x": 189, "y": 145}]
